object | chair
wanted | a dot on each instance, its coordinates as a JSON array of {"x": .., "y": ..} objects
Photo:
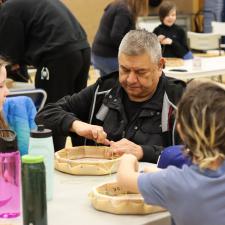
[
  {"x": 38, "y": 96},
  {"x": 219, "y": 28},
  {"x": 204, "y": 41}
]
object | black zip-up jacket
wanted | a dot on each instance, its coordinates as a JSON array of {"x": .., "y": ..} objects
[
  {"x": 101, "y": 104},
  {"x": 179, "y": 47},
  {"x": 34, "y": 31}
]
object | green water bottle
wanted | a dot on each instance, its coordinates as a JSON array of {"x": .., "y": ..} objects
[{"x": 34, "y": 190}]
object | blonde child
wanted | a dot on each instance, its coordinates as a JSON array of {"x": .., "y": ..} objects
[{"x": 193, "y": 195}]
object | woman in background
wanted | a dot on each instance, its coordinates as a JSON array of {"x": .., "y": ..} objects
[
  {"x": 119, "y": 17},
  {"x": 172, "y": 37}
]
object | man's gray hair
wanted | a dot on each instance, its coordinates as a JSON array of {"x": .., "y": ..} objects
[{"x": 138, "y": 42}]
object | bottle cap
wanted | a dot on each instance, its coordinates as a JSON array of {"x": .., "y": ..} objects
[
  {"x": 32, "y": 159},
  {"x": 8, "y": 142},
  {"x": 41, "y": 132}
]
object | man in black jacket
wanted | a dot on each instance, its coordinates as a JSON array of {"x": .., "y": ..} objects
[{"x": 132, "y": 114}]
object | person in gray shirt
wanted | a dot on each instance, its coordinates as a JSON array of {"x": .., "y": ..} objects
[{"x": 193, "y": 195}]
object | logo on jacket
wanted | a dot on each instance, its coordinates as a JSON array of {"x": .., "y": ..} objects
[{"x": 44, "y": 73}]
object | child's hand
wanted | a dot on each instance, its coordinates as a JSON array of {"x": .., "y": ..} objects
[
  {"x": 127, "y": 173},
  {"x": 167, "y": 41},
  {"x": 129, "y": 159},
  {"x": 161, "y": 37},
  {"x": 151, "y": 169}
]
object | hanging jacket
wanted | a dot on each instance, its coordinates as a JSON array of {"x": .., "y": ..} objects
[
  {"x": 19, "y": 112},
  {"x": 101, "y": 104}
]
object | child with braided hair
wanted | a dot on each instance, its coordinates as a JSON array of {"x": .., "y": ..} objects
[{"x": 193, "y": 194}]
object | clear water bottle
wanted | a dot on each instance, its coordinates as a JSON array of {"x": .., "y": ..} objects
[
  {"x": 197, "y": 63},
  {"x": 10, "y": 170},
  {"x": 34, "y": 190},
  {"x": 41, "y": 143}
]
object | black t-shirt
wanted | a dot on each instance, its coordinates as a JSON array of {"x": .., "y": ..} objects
[{"x": 132, "y": 109}]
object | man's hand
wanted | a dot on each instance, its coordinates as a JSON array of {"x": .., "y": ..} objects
[
  {"x": 93, "y": 132},
  {"x": 126, "y": 146}
]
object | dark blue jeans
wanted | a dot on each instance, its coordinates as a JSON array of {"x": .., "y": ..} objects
[{"x": 104, "y": 64}]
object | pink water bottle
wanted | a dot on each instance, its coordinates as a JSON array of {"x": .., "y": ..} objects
[{"x": 10, "y": 170}]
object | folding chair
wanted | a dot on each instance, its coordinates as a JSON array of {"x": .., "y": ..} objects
[
  {"x": 38, "y": 96},
  {"x": 204, "y": 41},
  {"x": 219, "y": 28}
]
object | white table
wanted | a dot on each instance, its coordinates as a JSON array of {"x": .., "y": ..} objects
[
  {"x": 210, "y": 67},
  {"x": 18, "y": 86},
  {"x": 70, "y": 205}
]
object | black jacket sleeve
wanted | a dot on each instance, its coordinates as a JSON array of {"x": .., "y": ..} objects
[
  {"x": 151, "y": 153},
  {"x": 121, "y": 25},
  {"x": 59, "y": 116},
  {"x": 12, "y": 38}
]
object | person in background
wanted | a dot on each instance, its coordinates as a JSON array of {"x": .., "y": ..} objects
[
  {"x": 18, "y": 73},
  {"x": 193, "y": 194},
  {"x": 45, "y": 34},
  {"x": 119, "y": 17},
  {"x": 172, "y": 37},
  {"x": 131, "y": 114},
  {"x": 3, "y": 93}
]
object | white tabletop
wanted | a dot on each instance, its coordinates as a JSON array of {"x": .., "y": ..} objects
[
  {"x": 210, "y": 66},
  {"x": 70, "y": 205},
  {"x": 18, "y": 86}
]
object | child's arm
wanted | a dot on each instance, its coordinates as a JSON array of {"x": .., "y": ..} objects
[
  {"x": 161, "y": 37},
  {"x": 180, "y": 45},
  {"x": 166, "y": 41},
  {"x": 151, "y": 169},
  {"x": 127, "y": 173}
]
